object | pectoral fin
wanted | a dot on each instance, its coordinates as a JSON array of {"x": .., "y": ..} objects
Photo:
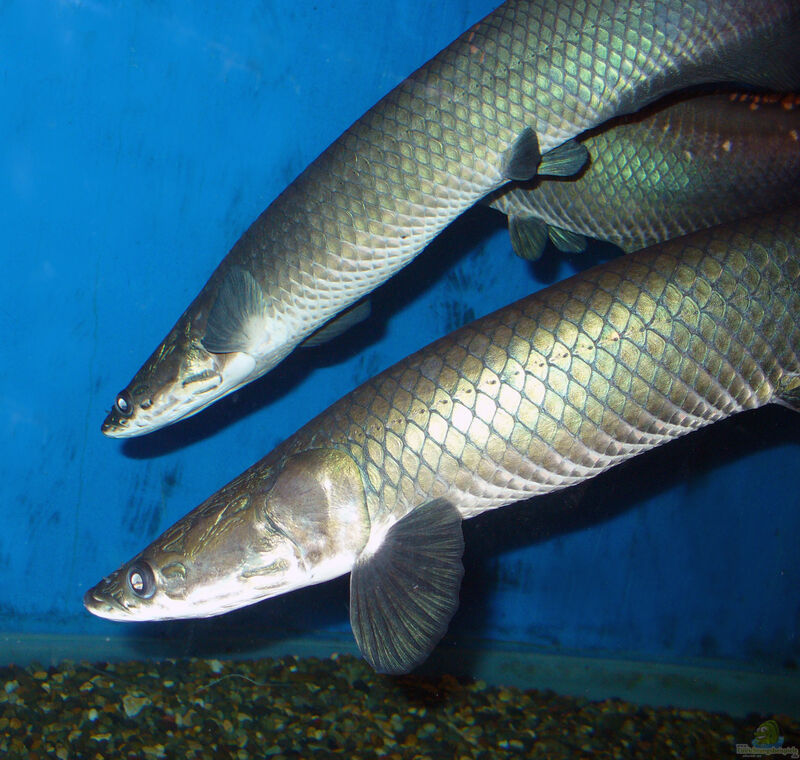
[
  {"x": 404, "y": 592},
  {"x": 339, "y": 324},
  {"x": 238, "y": 320},
  {"x": 528, "y": 236},
  {"x": 567, "y": 241}
]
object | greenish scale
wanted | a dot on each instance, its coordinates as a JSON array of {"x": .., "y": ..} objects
[
  {"x": 501, "y": 102},
  {"x": 664, "y": 172}
]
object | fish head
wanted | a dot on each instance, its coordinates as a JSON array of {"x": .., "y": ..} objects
[
  {"x": 231, "y": 334},
  {"x": 178, "y": 380},
  {"x": 271, "y": 530}
]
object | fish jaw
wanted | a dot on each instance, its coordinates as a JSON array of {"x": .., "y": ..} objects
[
  {"x": 184, "y": 375},
  {"x": 220, "y": 557},
  {"x": 287, "y": 523},
  {"x": 141, "y": 590},
  {"x": 201, "y": 380}
]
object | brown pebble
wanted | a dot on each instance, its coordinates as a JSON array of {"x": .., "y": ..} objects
[{"x": 293, "y": 707}]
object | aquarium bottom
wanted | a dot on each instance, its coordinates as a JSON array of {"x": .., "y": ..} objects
[
  {"x": 705, "y": 685},
  {"x": 295, "y": 707}
]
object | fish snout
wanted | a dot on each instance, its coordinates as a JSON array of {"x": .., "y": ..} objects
[
  {"x": 118, "y": 421},
  {"x": 101, "y": 601},
  {"x": 113, "y": 426},
  {"x": 119, "y": 596}
]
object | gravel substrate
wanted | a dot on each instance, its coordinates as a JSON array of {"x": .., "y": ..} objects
[{"x": 337, "y": 707}]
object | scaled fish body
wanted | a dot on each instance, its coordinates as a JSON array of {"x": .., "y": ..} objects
[
  {"x": 540, "y": 395},
  {"x": 502, "y": 102},
  {"x": 663, "y": 173}
]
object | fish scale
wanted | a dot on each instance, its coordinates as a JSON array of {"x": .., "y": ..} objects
[
  {"x": 426, "y": 158},
  {"x": 540, "y": 395},
  {"x": 568, "y": 382},
  {"x": 668, "y": 171},
  {"x": 429, "y": 150}
]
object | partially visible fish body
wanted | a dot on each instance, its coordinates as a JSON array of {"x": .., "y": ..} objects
[
  {"x": 665, "y": 172},
  {"x": 540, "y": 395},
  {"x": 501, "y": 102}
]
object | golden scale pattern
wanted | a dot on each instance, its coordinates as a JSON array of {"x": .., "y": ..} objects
[
  {"x": 434, "y": 145},
  {"x": 680, "y": 169},
  {"x": 563, "y": 384}
]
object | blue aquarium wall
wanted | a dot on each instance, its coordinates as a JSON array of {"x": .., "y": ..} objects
[{"x": 137, "y": 142}]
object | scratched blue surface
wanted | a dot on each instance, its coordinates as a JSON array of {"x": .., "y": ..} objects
[{"x": 137, "y": 142}]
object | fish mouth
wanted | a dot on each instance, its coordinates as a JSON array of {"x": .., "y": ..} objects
[
  {"x": 104, "y": 604},
  {"x": 182, "y": 400},
  {"x": 179, "y": 409},
  {"x": 115, "y": 427},
  {"x": 174, "y": 408}
]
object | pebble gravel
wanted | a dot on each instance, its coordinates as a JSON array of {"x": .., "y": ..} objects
[{"x": 291, "y": 708}]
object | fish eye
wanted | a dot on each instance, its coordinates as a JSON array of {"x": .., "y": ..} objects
[
  {"x": 141, "y": 580},
  {"x": 124, "y": 404}
]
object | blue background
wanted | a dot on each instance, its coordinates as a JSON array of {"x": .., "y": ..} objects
[{"x": 137, "y": 142}]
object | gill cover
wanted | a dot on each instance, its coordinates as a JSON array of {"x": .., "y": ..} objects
[
  {"x": 318, "y": 502},
  {"x": 281, "y": 525}
]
